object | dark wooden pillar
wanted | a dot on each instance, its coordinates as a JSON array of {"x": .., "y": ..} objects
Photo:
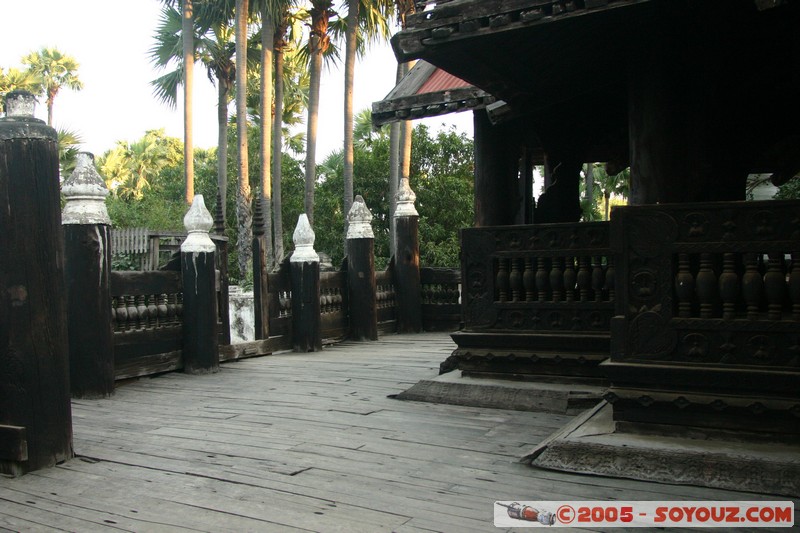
[
  {"x": 35, "y": 413},
  {"x": 87, "y": 244},
  {"x": 361, "y": 273},
  {"x": 408, "y": 289},
  {"x": 304, "y": 264},
  {"x": 260, "y": 274},
  {"x": 223, "y": 303},
  {"x": 497, "y": 155},
  {"x": 200, "y": 341}
]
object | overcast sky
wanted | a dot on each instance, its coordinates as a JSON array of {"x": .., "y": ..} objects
[{"x": 110, "y": 41}]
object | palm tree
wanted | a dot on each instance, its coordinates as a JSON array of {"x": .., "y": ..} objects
[
  {"x": 318, "y": 44},
  {"x": 129, "y": 168},
  {"x": 366, "y": 20},
  {"x": 272, "y": 11},
  {"x": 244, "y": 212},
  {"x": 187, "y": 41},
  {"x": 610, "y": 185},
  {"x": 15, "y": 79},
  {"x": 56, "y": 70},
  {"x": 400, "y": 134},
  {"x": 68, "y": 146}
]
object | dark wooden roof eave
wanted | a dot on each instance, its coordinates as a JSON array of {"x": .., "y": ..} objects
[
  {"x": 429, "y": 105},
  {"x": 532, "y": 54}
]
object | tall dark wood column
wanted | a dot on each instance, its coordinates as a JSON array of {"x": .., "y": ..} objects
[
  {"x": 87, "y": 243},
  {"x": 361, "y": 273},
  {"x": 35, "y": 411},
  {"x": 304, "y": 264},
  {"x": 408, "y": 288},
  {"x": 200, "y": 340},
  {"x": 496, "y": 173}
]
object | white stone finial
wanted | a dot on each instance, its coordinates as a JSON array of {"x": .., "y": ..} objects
[
  {"x": 405, "y": 199},
  {"x": 85, "y": 194},
  {"x": 198, "y": 222},
  {"x": 304, "y": 242},
  {"x": 359, "y": 220},
  {"x": 20, "y": 104}
]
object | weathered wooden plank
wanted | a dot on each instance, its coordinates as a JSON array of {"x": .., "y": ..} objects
[{"x": 135, "y": 283}]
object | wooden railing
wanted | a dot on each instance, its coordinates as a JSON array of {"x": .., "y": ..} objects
[
  {"x": 333, "y": 305},
  {"x": 385, "y": 298},
  {"x": 146, "y": 315},
  {"x": 710, "y": 303},
  {"x": 547, "y": 277},
  {"x": 441, "y": 298}
]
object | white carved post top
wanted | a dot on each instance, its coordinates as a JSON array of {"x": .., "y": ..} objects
[
  {"x": 85, "y": 194},
  {"x": 198, "y": 222},
  {"x": 20, "y": 104},
  {"x": 359, "y": 220},
  {"x": 405, "y": 199},
  {"x": 304, "y": 242}
]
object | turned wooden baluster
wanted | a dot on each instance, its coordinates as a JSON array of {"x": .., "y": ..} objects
[
  {"x": 570, "y": 277},
  {"x": 684, "y": 286},
  {"x": 121, "y": 310},
  {"x": 728, "y": 286},
  {"x": 584, "y": 279},
  {"x": 557, "y": 279},
  {"x": 172, "y": 308},
  {"x": 141, "y": 310},
  {"x": 794, "y": 286},
  {"x": 152, "y": 310},
  {"x": 529, "y": 280},
  {"x": 515, "y": 281},
  {"x": 163, "y": 310},
  {"x": 610, "y": 285},
  {"x": 707, "y": 286},
  {"x": 774, "y": 286},
  {"x": 598, "y": 278},
  {"x": 502, "y": 280},
  {"x": 133, "y": 313},
  {"x": 542, "y": 278},
  {"x": 752, "y": 285}
]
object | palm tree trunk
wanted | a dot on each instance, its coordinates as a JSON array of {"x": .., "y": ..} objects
[
  {"x": 267, "y": 44},
  {"x": 315, "y": 74},
  {"x": 318, "y": 43},
  {"x": 187, "y": 36},
  {"x": 606, "y": 201},
  {"x": 223, "y": 88},
  {"x": 351, "y": 37},
  {"x": 395, "y": 132},
  {"x": 243, "y": 198},
  {"x": 277, "y": 133},
  {"x": 50, "y": 99}
]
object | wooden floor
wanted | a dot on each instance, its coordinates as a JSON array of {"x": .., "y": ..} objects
[{"x": 301, "y": 442}]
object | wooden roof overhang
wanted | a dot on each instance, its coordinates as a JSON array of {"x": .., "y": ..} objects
[
  {"x": 428, "y": 91},
  {"x": 531, "y": 53}
]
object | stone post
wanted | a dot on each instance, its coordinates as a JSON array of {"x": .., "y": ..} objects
[
  {"x": 200, "y": 341},
  {"x": 406, "y": 262},
  {"x": 361, "y": 273},
  {"x": 87, "y": 240},
  {"x": 306, "y": 320},
  {"x": 35, "y": 411}
]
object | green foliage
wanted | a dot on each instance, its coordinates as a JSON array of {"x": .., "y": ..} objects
[
  {"x": 789, "y": 190},
  {"x": 441, "y": 176}
]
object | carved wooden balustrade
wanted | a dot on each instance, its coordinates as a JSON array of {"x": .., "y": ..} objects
[
  {"x": 333, "y": 305},
  {"x": 537, "y": 299},
  {"x": 441, "y": 298},
  {"x": 146, "y": 309},
  {"x": 707, "y": 332},
  {"x": 385, "y": 300}
]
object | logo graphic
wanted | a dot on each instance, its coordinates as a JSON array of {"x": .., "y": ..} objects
[{"x": 517, "y": 511}]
